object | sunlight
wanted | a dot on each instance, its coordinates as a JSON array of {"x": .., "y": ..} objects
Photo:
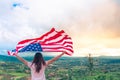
[{"x": 96, "y": 46}]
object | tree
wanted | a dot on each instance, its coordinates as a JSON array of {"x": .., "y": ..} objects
[{"x": 90, "y": 63}]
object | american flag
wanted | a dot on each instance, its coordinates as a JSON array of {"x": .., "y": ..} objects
[{"x": 52, "y": 41}]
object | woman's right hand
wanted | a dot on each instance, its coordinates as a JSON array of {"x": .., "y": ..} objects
[
  {"x": 64, "y": 52},
  {"x": 15, "y": 54}
]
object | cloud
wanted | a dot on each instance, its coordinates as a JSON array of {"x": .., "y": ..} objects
[
  {"x": 3, "y": 52},
  {"x": 93, "y": 26},
  {"x": 16, "y": 21},
  {"x": 102, "y": 18}
]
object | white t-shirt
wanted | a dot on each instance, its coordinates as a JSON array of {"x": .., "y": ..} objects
[{"x": 34, "y": 74}]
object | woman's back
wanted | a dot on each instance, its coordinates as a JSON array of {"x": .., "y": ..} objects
[{"x": 37, "y": 75}]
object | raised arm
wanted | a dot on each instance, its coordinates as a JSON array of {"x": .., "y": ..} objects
[
  {"x": 21, "y": 59},
  {"x": 55, "y": 58}
]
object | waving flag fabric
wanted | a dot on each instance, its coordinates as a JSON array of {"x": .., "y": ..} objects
[{"x": 52, "y": 41}]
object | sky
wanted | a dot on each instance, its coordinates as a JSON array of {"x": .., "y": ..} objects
[{"x": 93, "y": 25}]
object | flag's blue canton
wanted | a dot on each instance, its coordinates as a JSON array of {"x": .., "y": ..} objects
[
  {"x": 14, "y": 50},
  {"x": 32, "y": 47}
]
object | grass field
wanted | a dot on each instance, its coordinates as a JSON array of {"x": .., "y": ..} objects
[{"x": 66, "y": 69}]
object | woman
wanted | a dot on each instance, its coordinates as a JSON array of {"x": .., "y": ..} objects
[{"x": 38, "y": 65}]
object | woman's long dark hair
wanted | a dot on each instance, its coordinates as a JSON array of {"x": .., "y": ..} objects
[{"x": 38, "y": 61}]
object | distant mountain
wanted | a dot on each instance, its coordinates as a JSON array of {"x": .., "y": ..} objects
[
  {"x": 103, "y": 59},
  {"x": 8, "y": 58},
  {"x": 110, "y": 57},
  {"x": 14, "y": 59}
]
